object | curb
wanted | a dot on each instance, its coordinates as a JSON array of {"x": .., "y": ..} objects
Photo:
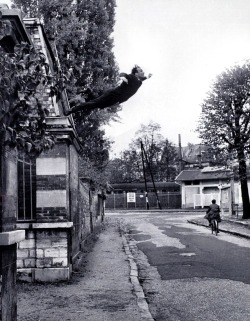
[
  {"x": 138, "y": 290},
  {"x": 246, "y": 225},
  {"x": 246, "y": 236}
]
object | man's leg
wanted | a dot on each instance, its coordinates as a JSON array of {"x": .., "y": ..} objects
[
  {"x": 107, "y": 99},
  {"x": 81, "y": 107}
]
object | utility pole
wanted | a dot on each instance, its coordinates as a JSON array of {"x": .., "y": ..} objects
[
  {"x": 144, "y": 175},
  {"x": 180, "y": 153},
  {"x": 199, "y": 156}
]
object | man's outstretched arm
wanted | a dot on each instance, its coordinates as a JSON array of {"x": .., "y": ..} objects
[{"x": 123, "y": 74}]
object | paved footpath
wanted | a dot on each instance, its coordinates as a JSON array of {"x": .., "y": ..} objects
[
  {"x": 105, "y": 288},
  {"x": 229, "y": 224}
]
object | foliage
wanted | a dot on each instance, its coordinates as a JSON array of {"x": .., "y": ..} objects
[
  {"x": 169, "y": 160},
  {"x": 225, "y": 120},
  {"x": 95, "y": 174},
  {"x": 23, "y": 77},
  {"x": 99, "y": 70},
  {"x": 93, "y": 165},
  {"x": 225, "y": 112},
  {"x": 161, "y": 158},
  {"x": 29, "y": 7},
  {"x": 117, "y": 171},
  {"x": 81, "y": 31}
]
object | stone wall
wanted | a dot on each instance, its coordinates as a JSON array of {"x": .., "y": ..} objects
[
  {"x": 44, "y": 254},
  {"x": 67, "y": 213},
  {"x": 51, "y": 173},
  {"x": 84, "y": 206},
  {"x": 73, "y": 196},
  {"x": 27, "y": 253}
]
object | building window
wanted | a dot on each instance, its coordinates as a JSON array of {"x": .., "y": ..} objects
[
  {"x": 192, "y": 182},
  {"x": 26, "y": 171}
]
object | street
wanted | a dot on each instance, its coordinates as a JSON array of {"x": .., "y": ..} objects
[{"x": 187, "y": 273}]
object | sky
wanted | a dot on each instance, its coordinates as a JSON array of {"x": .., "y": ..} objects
[{"x": 185, "y": 44}]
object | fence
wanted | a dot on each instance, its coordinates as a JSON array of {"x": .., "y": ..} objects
[
  {"x": 201, "y": 200},
  {"x": 167, "y": 200}
]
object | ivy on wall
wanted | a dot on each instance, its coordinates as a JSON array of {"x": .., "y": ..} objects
[{"x": 24, "y": 77}]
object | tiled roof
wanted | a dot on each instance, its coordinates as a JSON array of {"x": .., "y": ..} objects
[
  {"x": 198, "y": 174},
  {"x": 142, "y": 184}
]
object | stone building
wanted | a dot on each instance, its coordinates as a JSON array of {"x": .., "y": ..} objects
[
  {"x": 47, "y": 211},
  {"x": 200, "y": 185}
]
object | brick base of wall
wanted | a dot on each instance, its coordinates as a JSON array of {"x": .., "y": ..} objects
[
  {"x": 53, "y": 274},
  {"x": 44, "y": 255},
  {"x": 44, "y": 275}
]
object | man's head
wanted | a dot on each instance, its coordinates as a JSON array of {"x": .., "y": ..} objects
[
  {"x": 138, "y": 72},
  {"x": 213, "y": 201}
]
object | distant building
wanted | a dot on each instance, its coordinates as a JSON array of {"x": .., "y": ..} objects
[
  {"x": 200, "y": 186},
  {"x": 195, "y": 156}
]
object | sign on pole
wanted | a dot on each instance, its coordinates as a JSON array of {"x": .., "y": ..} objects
[{"x": 131, "y": 197}]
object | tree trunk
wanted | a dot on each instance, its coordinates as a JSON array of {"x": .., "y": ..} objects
[{"x": 243, "y": 183}]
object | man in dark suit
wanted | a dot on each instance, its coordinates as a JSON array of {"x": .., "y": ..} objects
[{"x": 128, "y": 87}]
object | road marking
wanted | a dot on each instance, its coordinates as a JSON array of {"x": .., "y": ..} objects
[
  {"x": 157, "y": 236},
  {"x": 187, "y": 254},
  {"x": 236, "y": 240}
]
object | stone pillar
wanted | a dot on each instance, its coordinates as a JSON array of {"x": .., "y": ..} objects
[
  {"x": 8, "y": 292},
  {"x": 8, "y": 234}
]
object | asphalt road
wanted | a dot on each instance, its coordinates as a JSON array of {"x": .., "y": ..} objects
[{"x": 187, "y": 273}]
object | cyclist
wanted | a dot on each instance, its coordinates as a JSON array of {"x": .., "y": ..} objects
[{"x": 213, "y": 212}]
